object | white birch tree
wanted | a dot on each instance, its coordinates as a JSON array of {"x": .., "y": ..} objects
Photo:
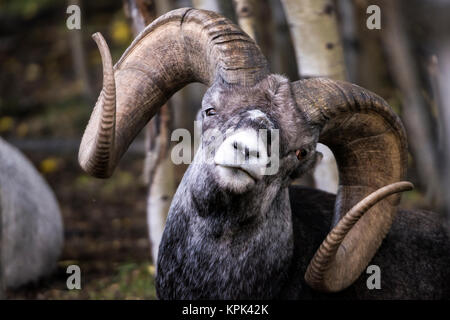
[{"x": 319, "y": 52}]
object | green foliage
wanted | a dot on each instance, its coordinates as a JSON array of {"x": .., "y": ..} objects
[{"x": 132, "y": 281}]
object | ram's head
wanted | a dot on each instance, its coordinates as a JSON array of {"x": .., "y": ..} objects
[{"x": 188, "y": 45}]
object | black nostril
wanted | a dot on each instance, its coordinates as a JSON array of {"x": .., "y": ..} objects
[
  {"x": 257, "y": 154},
  {"x": 269, "y": 143},
  {"x": 247, "y": 153},
  {"x": 235, "y": 145}
]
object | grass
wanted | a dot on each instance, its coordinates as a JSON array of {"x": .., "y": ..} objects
[
  {"x": 127, "y": 281},
  {"x": 133, "y": 281}
]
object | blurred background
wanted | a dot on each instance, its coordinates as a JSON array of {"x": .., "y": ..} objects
[{"x": 51, "y": 76}]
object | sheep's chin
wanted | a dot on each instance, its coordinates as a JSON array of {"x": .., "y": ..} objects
[{"x": 234, "y": 180}]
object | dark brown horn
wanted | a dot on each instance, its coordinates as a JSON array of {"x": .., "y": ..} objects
[
  {"x": 182, "y": 46},
  {"x": 369, "y": 143}
]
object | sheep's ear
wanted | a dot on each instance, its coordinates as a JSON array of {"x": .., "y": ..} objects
[
  {"x": 272, "y": 83},
  {"x": 277, "y": 88}
]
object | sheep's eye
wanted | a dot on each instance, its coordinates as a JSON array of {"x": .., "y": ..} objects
[
  {"x": 210, "y": 112},
  {"x": 301, "y": 153}
]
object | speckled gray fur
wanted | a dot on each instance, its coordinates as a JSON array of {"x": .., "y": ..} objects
[{"x": 219, "y": 244}]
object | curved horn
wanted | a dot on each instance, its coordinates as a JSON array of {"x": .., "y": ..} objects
[
  {"x": 369, "y": 143},
  {"x": 182, "y": 46}
]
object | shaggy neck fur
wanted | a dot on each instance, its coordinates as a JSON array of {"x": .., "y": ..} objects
[{"x": 219, "y": 245}]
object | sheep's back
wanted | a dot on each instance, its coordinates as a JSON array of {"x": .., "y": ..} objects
[{"x": 414, "y": 258}]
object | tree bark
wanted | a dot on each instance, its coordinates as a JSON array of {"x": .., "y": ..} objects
[
  {"x": 247, "y": 17},
  {"x": 79, "y": 59},
  {"x": 225, "y": 8},
  {"x": 316, "y": 38},
  {"x": 415, "y": 114},
  {"x": 348, "y": 26},
  {"x": 437, "y": 40},
  {"x": 211, "y": 5},
  {"x": 140, "y": 13},
  {"x": 2, "y": 282},
  {"x": 280, "y": 52},
  {"x": 319, "y": 52},
  {"x": 444, "y": 90}
]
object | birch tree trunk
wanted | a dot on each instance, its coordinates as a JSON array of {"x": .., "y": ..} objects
[
  {"x": 371, "y": 70},
  {"x": 211, "y": 5},
  {"x": 438, "y": 41},
  {"x": 158, "y": 170},
  {"x": 280, "y": 53},
  {"x": 256, "y": 19},
  {"x": 246, "y": 16},
  {"x": 319, "y": 53},
  {"x": 79, "y": 59},
  {"x": 348, "y": 26}
]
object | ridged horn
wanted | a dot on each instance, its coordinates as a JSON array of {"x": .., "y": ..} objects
[
  {"x": 183, "y": 46},
  {"x": 369, "y": 143}
]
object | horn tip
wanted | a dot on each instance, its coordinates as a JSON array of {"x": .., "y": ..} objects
[
  {"x": 406, "y": 185},
  {"x": 96, "y": 35}
]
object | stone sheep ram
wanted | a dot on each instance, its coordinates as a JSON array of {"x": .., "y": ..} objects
[{"x": 235, "y": 232}]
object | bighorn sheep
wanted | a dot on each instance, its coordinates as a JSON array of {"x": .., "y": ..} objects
[
  {"x": 234, "y": 232},
  {"x": 31, "y": 226}
]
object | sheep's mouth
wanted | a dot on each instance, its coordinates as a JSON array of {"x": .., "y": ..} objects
[{"x": 238, "y": 169}]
